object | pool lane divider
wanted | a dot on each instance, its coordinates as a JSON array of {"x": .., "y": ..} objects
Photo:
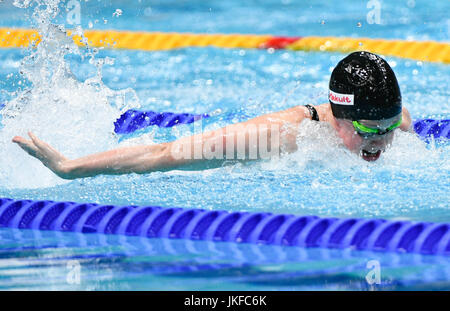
[
  {"x": 134, "y": 120},
  {"x": 431, "y": 51},
  {"x": 224, "y": 226}
]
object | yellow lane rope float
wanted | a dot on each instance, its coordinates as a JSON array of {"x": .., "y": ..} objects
[{"x": 155, "y": 41}]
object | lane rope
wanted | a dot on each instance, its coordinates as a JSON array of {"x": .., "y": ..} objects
[
  {"x": 430, "y": 51},
  {"x": 223, "y": 226},
  {"x": 134, "y": 120}
]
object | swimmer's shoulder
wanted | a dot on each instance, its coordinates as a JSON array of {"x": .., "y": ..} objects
[{"x": 406, "y": 121}]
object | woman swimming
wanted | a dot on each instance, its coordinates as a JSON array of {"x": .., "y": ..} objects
[{"x": 364, "y": 109}]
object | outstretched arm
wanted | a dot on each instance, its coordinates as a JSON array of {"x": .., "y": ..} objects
[{"x": 269, "y": 133}]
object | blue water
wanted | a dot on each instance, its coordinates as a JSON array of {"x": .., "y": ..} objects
[
  {"x": 415, "y": 19},
  {"x": 43, "y": 260},
  {"x": 411, "y": 181}
]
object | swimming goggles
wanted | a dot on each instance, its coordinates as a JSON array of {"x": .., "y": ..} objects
[{"x": 365, "y": 131}]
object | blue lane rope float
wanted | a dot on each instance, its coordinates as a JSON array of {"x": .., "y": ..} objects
[
  {"x": 427, "y": 128},
  {"x": 134, "y": 120},
  {"x": 241, "y": 227}
]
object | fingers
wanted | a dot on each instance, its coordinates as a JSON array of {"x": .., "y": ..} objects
[
  {"x": 17, "y": 139},
  {"x": 33, "y": 147},
  {"x": 39, "y": 143},
  {"x": 26, "y": 145},
  {"x": 48, "y": 151},
  {"x": 43, "y": 146},
  {"x": 39, "y": 149},
  {"x": 22, "y": 141}
]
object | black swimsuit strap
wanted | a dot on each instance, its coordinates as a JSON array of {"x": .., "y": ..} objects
[{"x": 313, "y": 113}]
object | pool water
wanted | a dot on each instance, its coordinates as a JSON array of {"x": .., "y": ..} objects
[
  {"x": 72, "y": 100},
  {"x": 48, "y": 260}
]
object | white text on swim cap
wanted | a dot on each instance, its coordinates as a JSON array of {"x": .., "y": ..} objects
[{"x": 341, "y": 99}]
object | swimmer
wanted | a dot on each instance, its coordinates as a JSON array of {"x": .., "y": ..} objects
[{"x": 365, "y": 108}]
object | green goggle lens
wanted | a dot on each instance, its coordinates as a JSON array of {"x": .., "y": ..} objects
[{"x": 360, "y": 128}]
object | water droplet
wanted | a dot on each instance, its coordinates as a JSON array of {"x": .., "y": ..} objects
[{"x": 117, "y": 13}]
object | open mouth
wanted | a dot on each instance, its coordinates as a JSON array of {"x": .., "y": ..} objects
[{"x": 370, "y": 156}]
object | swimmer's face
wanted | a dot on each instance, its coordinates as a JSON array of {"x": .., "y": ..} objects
[{"x": 369, "y": 147}]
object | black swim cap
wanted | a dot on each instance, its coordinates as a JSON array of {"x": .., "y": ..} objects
[{"x": 364, "y": 87}]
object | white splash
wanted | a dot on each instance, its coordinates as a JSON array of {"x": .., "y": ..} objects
[
  {"x": 320, "y": 148},
  {"x": 75, "y": 117}
]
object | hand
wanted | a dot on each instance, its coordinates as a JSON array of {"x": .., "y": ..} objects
[{"x": 42, "y": 151}]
